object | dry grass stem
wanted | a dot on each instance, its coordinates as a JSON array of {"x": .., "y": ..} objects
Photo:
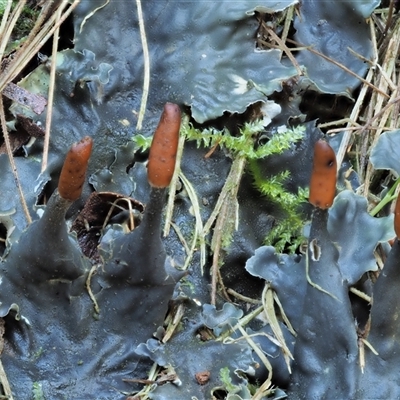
[
  {"x": 4, "y": 383},
  {"x": 225, "y": 215},
  {"x": 309, "y": 48},
  {"x": 264, "y": 389},
  {"x": 12, "y": 162},
  {"x": 181, "y": 237},
  {"x": 197, "y": 237},
  {"x": 50, "y": 100},
  {"x": 344, "y": 144},
  {"x": 173, "y": 186},
  {"x": 269, "y": 312},
  {"x": 146, "y": 61},
  {"x": 89, "y": 289},
  {"x": 285, "y": 49},
  {"x": 243, "y": 298}
]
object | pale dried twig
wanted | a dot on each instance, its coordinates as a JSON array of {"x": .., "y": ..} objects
[
  {"x": 52, "y": 79},
  {"x": 349, "y": 71},
  {"x": 146, "y": 61},
  {"x": 284, "y": 48},
  {"x": 12, "y": 162}
]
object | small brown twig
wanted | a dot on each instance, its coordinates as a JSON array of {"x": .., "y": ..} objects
[
  {"x": 338, "y": 64},
  {"x": 286, "y": 49}
]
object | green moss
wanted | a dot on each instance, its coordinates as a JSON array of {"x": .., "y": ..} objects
[
  {"x": 3, "y": 4},
  {"x": 24, "y": 25},
  {"x": 143, "y": 143},
  {"x": 287, "y": 231},
  {"x": 224, "y": 375},
  {"x": 245, "y": 143},
  {"x": 37, "y": 391}
]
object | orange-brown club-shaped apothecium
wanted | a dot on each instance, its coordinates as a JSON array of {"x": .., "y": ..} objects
[
  {"x": 162, "y": 157},
  {"x": 323, "y": 177},
  {"x": 74, "y": 169}
]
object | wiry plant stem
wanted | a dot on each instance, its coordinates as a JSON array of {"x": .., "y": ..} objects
[
  {"x": 12, "y": 162},
  {"x": 226, "y": 218},
  {"x": 51, "y": 93},
  {"x": 146, "y": 60}
]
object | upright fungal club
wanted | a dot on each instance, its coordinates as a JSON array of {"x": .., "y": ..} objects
[
  {"x": 324, "y": 297},
  {"x": 329, "y": 362},
  {"x": 72, "y": 325},
  {"x": 163, "y": 149},
  {"x": 323, "y": 178},
  {"x": 73, "y": 173}
]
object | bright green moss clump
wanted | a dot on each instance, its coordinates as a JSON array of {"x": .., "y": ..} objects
[{"x": 287, "y": 230}]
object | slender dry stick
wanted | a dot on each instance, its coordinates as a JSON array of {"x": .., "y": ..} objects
[
  {"x": 218, "y": 233},
  {"x": 224, "y": 195},
  {"x": 265, "y": 389},
  {"x": 390, "y": 103},
  {"x": 4, "y": 383},
  {"x": 181, "y": 238},
  {"x": 340, "y": 121},
  {"x": 222, "y": 286},
  {"x": 89, "y": 288},
  {"x": 388, "y": 66},
  {"x": 227, "y": 218},
  {"x": 90, "y": 15},
  {"x": 146, "y": 61},
  {"x": 114, "y": 205},
  {"x": 50, "y": 99},
  {"x": 361, "y": 294},
  {"x": 363, "y": 158},
  {"x": 287, "y": 25},
  {"x": 270, "y": 313},
  {"x": 344, "y": 144},
  {"x": 375, "y": 57},
  {"x": 361, "y": 57},
  {"x": 389, "y": 17},
  {"x": 385, "y": 76},
  {"x": 172, "y": 325},
  {"x": 199, "y": 225},
  {"x": 352, "y": 129},
  {"x": 353, "y": 117},
  {"x": 225, "y": 337},
  {"x": 12, "y": 162},
  {"x": 243, "y": 298},
  {"x": 349, "y": 71},
  {"x": 396, "y": 107},
  {"x": 385, "y": 115},
  {"x": 172, "y": 186},
  {"x": 287, "y": 51}
]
